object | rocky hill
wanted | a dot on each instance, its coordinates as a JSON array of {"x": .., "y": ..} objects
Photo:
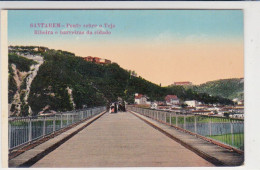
[{"x": 46, "y": 80}]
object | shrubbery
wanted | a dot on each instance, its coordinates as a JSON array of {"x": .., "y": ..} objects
[{"x": 22, "y": 63}]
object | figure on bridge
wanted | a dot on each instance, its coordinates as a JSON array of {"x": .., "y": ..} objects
[
  {"x": 117, "y": 106},
  {"x": 113, "y": 108},
  {"x": 121, "y": 107}
]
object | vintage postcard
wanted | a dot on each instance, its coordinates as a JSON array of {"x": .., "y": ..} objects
[{"x": 125, "y": 88}]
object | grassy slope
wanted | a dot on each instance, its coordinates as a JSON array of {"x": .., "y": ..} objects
[{"x": 227, "y": 88}]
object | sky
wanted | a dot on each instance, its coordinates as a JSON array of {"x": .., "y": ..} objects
[{"x": 162, "y": 46}]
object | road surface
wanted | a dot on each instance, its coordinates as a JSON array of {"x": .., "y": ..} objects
[{"x": 121, "y": 140}]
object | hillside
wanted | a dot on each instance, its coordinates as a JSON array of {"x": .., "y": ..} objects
[
  {"x": 227, "y": 88},
  {"x": 55, "y": 80}
]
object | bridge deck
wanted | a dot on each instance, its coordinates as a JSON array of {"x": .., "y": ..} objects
[{"x": 120, "y": 140}]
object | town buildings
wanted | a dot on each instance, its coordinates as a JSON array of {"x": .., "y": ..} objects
[{"x": 193, "y": 107}]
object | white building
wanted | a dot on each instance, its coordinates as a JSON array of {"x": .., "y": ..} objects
[
  {"x": 140, "y": 99},
  {"x": 238, "y": 116},
  {"x": 172, "y": 100},
  {"x": 191, "y": 103}
]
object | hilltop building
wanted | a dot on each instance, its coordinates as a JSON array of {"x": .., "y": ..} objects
[
  {"x": 40, "y": 49},
  {"x": 97, "y": 60},
  {"x": 184, "y": 83}
]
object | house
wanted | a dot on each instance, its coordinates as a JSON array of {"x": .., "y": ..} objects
[
  {"x": 104, "y": 61},
  {"x": 140, "y": 99},
  {"x": 191, "y": 103},
  {"x": 89, "y": 58},
  {"x": 172, "y": 100},
  {"x": 96, "y": 60},
  {"x": 107, "y": 61},
  {"x": 92, "y": 59},
  {"x": 184, "y": 83},
  {"x": 241, "y": 102},
  {"x": 237, "y": 116}
]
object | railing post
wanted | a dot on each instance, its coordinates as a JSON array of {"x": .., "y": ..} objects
[
  {"x": 176, "y": 121},
  {"x": 67, "y": 119},
  {"x": 209, "y": 126},
  {"x": 195, "y": 124},
  {"x": 157, "y": 115},
  {"x": 44, "y": 126},
  {"x": 9, "y": 134},
  {"x": 165, "y": 114},
  {"x": 170, "y": 118},
  {"x": 30, "y": 129},
  {"x": 54, "y": 124},
  {"x": 61, "y": 121},
  {"x": 184, "y": 117},
  {"x": 162, "y": 117},
  {"x": 232, "y": 133},
  {"x": 82, "y": 115}
]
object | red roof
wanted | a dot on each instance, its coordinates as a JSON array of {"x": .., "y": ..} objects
[
  {"x": 88, "y": 58},
  {"x": 169, "y": 97},
  {"x": 139, "y": 96}
]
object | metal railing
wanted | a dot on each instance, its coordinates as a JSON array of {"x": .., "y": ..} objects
[
  {"x": 23, "y": 130},
  {"x": 224, "y": 130}
]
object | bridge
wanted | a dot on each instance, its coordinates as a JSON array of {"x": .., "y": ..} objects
[{"x": 136, "y": 138}]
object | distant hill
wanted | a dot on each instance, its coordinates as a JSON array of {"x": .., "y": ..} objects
[
  {"x": 227, "y": 88},
  {"x": 53, "y": 80}
]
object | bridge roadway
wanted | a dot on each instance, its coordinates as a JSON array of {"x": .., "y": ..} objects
[{"x": 121, "y": 140}]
